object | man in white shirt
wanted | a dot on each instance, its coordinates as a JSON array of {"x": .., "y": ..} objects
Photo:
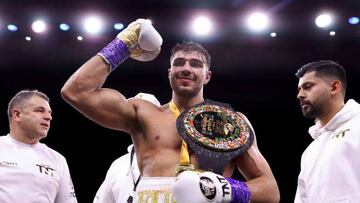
[
  {"x": 29, "y": 170},
  {"x": 330, "y": 164},
  {"x": 120, "y": 181}
]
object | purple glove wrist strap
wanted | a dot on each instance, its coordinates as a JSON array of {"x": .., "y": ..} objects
[
  {"x": 240, "y": 191},
  {"x": 115, "y": 53}
]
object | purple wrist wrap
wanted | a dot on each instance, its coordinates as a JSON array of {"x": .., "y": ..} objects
[
  {"x": 240, "y": 191},
  {"x": 115, "y": 53}
]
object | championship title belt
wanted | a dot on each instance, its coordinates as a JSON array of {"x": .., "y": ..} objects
[{"x": 215, "y": 132}]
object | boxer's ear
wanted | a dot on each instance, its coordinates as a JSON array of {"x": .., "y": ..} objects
[{"x": 207, "y": 76}]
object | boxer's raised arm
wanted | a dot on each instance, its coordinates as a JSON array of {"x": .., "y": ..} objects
[{"x": 108, "y": 107}]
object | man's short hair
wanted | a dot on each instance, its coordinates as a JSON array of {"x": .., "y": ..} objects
[
  {"x": 325, "y": 69},
  {"x": 20, "y": 99}
]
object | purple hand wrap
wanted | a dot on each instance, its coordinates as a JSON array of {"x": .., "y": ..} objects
[
  {"x": 115, "y": 53},
  {"x": 240, "y": 191}
]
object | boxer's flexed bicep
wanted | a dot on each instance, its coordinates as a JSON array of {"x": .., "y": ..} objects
[
  {"x": 112, "y": 110},
  {"x": 107, "y": 107}
]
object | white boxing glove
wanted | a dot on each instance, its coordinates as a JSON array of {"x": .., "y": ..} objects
[
  {"x": 191, "y": 186},
  {"x": 142, "y": 40},
  {"x": 209, "y": 187},
  {"x": 139, "y": 40}
]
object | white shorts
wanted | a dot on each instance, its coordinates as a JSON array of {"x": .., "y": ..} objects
[{"x": 155, "y": 190}]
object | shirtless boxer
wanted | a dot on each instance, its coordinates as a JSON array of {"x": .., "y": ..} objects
[{"x": 153, "y": 130}]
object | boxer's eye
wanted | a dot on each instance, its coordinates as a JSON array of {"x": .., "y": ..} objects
[
  {"x": 195, "y": 63},
  {"x": 179, "y": 62}
]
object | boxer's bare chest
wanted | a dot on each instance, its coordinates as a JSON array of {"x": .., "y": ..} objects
[{"x": 161, "y": 130}]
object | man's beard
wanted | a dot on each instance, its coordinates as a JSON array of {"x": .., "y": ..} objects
[
  {"x": 312, "y": 111},
  {"x": 186, "y": 92},
  {"x": 183, "y": 91}
]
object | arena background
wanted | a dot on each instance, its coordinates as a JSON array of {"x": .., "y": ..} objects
[{"x": 253, "y": 73}]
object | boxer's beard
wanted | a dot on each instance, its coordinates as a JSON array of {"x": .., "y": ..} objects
[{"x": 185, "y": 91}]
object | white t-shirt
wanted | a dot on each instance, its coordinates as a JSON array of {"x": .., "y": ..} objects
[
  {"x": 119, "y": 181},
  {"x": 330, "y": 166},
  {"x": 33, "y": 174}
]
